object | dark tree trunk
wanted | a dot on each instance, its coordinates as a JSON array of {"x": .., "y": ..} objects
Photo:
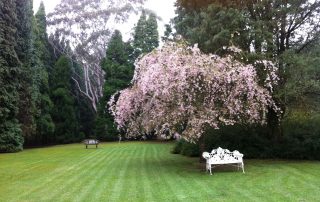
[{"x": 202, "y": 148}]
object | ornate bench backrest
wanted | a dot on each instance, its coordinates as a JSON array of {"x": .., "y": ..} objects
[{"x": 220, "y": 154}]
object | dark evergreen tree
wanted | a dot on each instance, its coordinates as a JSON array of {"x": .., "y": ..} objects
[
  {"x": 85, "y": 112},
  {"x": 145, "y": 36},
  {"x": 152, "y": 35},
  {"x": 168, "y": 33},
  {"x": 43, "y": 60},
  {"x": 119, "y": 71},
  {"x": 64, "y": 111},
  {"x": 24, "y": 50},
  {"x": 139, "y": 36},
  {"x": 11, "y": 139},
  {"x": 212, "y": 27}
]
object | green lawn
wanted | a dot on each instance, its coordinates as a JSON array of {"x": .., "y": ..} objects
[{"x": 147, "y": 171}]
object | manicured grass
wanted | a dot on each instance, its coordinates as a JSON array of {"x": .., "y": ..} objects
[{"x": 147, "y": 171}]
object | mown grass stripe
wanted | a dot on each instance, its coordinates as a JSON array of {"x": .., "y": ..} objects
[
  {"x": 104, "y": 185},
  {"x": 92, "y": 180},
  {"x": 164, "y": 183},
  {"x": 132, "y": 188},
  {"x": 56, "y": 177},
  {"x": 81, "y": 176},
  {"x": 117, "y": 188},
  {"x": 146, "y": 181},
  {"x": 147, "y": 171},
  {"x": 25, "y": 163}
]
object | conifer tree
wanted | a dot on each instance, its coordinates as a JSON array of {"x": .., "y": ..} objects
[
  {"x": 24, "y": 50},
  {"x": 152, "y": 40},
  {"x": 11, "y": 139},
  {"x": 64, "y": 111},
  {"x": 146, "y": 36},
  {"x": 42, "y": 66},
  {"x": 119, "y": 71},
  {"x": 168, "y": 35},
  {"x": 139, "y": 35}
]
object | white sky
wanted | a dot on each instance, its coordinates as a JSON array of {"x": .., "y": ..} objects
[{"x": 163, "y": 8}]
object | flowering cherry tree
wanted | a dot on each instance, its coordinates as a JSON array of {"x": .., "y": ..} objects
[{"x": 180, "y": 89}]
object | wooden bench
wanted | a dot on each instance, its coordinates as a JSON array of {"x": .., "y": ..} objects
[
  {"x": 221, "y": 156},
  {"x": 91, "y": 142}
]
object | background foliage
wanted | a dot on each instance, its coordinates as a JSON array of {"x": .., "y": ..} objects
[
  {"x": 44, "y": 87},
  {"x": 284, "y": 31}
]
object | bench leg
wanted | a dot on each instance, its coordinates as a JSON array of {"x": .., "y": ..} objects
[
  {"x": 86, "y": 146},
  {"x": 208, "y": 168},
  {"x": 96, "y": 146},
  {"x": 242, "y": 165}
]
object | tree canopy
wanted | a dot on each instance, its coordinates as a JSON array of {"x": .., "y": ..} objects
[
  {"x": 145, "y": 36},
  {"x": 184, "y": 90},
  {"x": 10, "y": 68},
  {"x": 119, "y": 72},
  {"x": 87, "y": 26}
]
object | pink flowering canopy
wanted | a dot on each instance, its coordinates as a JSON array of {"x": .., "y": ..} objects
[{"x": 181, "y": 89}]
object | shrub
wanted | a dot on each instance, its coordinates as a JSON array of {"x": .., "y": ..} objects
[
  {"x": 301, "y": 136},
  {"x": 177, "y": 147},
  {"x": 300, "y": 139},
  {"x": 186, "y": 148}
]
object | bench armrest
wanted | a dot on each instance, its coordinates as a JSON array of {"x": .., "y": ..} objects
[
  {"x": 206, "y": 155},
  {"x": 237, "y": 154}
]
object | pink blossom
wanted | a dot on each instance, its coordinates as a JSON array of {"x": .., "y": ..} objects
[{"x": 181, "y": 89}]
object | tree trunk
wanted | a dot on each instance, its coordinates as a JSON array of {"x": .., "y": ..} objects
[{"x": 202, "y": 148}]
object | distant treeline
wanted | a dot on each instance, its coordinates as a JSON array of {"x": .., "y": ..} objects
[{"x": 41, "y": 103}]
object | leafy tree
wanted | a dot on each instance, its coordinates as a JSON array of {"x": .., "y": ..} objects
[
  {"x": 199, "y": 4},
  {"x": 268, "y": 28},
  {"x": 212, "y": 28},
  {"x": 64, "y": 111},
  {"x": 265, "y": 29},
  {"x": 181, "y": 89},
  {"x": 119, "y": 71},
  {"x": 302, "y": 87},
  {"x": 11, "y": 139},
  {"x": 92, "y": 32}
]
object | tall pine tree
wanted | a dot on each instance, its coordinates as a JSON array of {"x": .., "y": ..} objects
[
  {"x": 139, "y": 35},
  {"x": 11, "y": 139},
  {"x": 64, "y": 111},
  {"x": 152, "y": 35},
  {"x": 24, "y": 51},
  {"x": 118, "y": 73},
  {"x": 43, "y": 63},
  {"x": 145, "y": 36}
]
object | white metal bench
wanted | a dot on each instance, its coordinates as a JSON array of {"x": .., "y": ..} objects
[{"x": 221, "y": 156}]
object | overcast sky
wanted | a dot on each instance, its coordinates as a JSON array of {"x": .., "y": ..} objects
[{"x": 163, "y": 8}]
